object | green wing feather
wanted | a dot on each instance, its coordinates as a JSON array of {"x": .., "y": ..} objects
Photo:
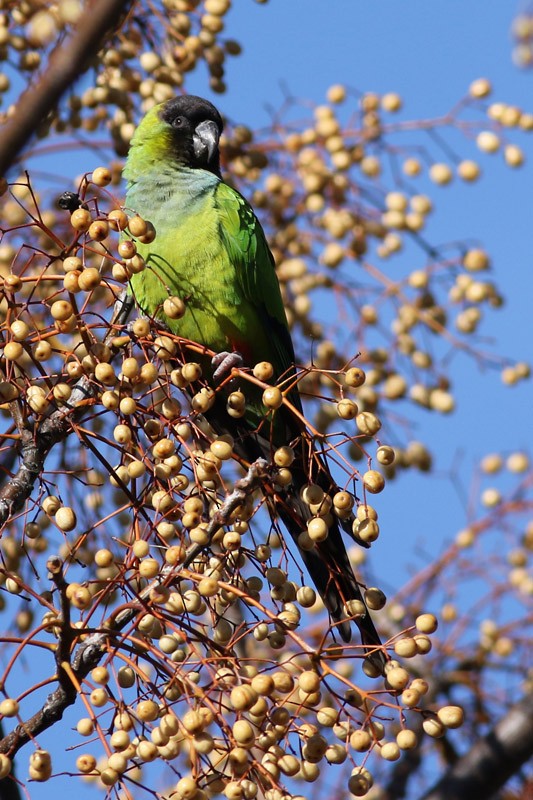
[
  {"x": 250, "y": 256},
  {"x": 252, "y": 260}
]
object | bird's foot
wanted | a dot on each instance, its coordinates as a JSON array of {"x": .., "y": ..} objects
[{"x": 224, "y": 363}]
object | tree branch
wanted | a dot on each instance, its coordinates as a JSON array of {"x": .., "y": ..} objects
[
  {"x": 34, "y": 448},
  {"x": 36, "y": 444},
  {"x": 67, "y": 62},
  {"x": 71, "y": 672},
  {"x": 492, "y": 760}
]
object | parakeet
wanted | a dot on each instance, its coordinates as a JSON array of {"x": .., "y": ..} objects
[{"x": 211, "y": 251}]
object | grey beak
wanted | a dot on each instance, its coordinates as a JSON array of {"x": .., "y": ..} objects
[{"x": 205, "y": 140}]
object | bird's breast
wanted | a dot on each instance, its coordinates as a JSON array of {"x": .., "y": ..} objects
[{"x": 188, "y": 258}]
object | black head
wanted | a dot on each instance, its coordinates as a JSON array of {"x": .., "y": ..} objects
[{"x": 196, "y": 128}]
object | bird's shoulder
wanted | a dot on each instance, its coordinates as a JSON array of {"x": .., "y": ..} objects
[
  {"x": 255, "y": 271},
  {"x": 239, "y": 224}
]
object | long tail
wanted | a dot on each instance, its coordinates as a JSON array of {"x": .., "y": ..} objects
[{"x": 327, "y": 562}]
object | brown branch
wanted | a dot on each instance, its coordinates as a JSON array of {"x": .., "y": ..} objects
[
  {"x": 489, "y": 764},
  {"x": 34, "y": 448},
  {"x": 9, "y": 788},
  {"x": 35, "y": 445},
  {"x": 67, "y": 62},
  {"x": 253, "y": 479},
  {"x": 90, "y": 651}
]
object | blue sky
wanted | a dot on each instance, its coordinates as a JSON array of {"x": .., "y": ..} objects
[{"x": 429, "y": 53}]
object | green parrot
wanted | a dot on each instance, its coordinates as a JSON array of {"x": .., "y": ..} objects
[{"x": 211, "y": 251}]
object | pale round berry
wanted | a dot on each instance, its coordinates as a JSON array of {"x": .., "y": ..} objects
[
  {"x": 101, "y": 176},
  {"x": 373, "y": 481},
  {"x": 272, "y": 397},
  {"x": 426, "y": 623},
  {"x": 451, "y": 716},
  {"x": 479, "y": 88},
  {"x": 80, "y": 219},
  {"x": 9, "y": 707},
  {"x": 65, "y": 518},
  {"x": 440, "y": 174},
  {"x": 488, "y": 141}
]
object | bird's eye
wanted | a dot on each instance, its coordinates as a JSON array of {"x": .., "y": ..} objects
[{"x": 178, "y": 122}]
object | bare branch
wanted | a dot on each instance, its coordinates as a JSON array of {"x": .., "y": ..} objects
[
  {"x": 9, "y": 788},
  {"x": 252, "y": 480},
  {"x": 34, "y": 449},
  {"x": 72, "y": 672},
  {"x": 492, "y": 760},
  {"x": 68, "y": 61}
]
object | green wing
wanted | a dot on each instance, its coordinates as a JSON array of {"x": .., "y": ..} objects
[{"x": 250, "y": 255}]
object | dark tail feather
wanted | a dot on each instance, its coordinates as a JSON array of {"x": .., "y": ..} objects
[
  {"x": 332, "y": 574},
  {"x": 327, "y": 563}
]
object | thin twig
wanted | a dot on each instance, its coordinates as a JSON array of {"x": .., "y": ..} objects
[{"x": 91, "y": 650}]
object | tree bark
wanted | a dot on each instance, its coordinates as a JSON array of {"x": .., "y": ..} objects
[
  {"x": 67, "y": 63},
  {"x": 489, "y": 764}
]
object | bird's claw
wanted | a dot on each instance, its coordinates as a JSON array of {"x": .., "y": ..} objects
[{"x": 224, "y": 363}]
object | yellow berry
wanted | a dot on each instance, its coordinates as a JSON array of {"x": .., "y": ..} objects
[
  {"x": 385, "y": 455},
  {"x": 397, "y": 678},
  {"x": 9, "y": 707},
  {"x": 468, "y": 170},
  {"x": 390, "y": 751},
  {"x": 101, "y": 176},
  {"x": 368, "y": 423},
  {"x": 433, "y": 727},
  {"x": 426, "y": 623},
  {"x": 118, "y": 219},
  {"x": 13, "y": 351},
  {"x": 488, "y": 141},
  {"x": 476, "y": 260},
  {"x": 480, "y": 88},
  {"x": 373, "y": 481},
  {"x": 272, "y": 397},
  {"x": 514, "y": 155},
  {"x": 89, "y": 279},
  {"x": 412, "y": 167},
  {"x": 137, "y": 226},
  {"x": 391, "y": 102},
  {"x": 440, "y": 174},
  {"x": 355, "y": 377},
  {"x": 61, "y": 310},
  {"x": 406, "y": 739},
  {"x": 5, "y": 765},
  {"x": 127, "y": 249},
  {"x": 98, "y": 230},
  {"x": 65, "y": 518},
  {"x": 186, "y": 788},
  {"x": 406, "y": 648},
  {"x": 451, "y": 716},
  {"x": 317, "y": 529},
  {"x": 80, "y": 220},
  {"x": 263, "y": 370},
  {"x": 336, "y": 93},
  {"x": 174, "y": 307},
  {"x": 347, "y": 409}
]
